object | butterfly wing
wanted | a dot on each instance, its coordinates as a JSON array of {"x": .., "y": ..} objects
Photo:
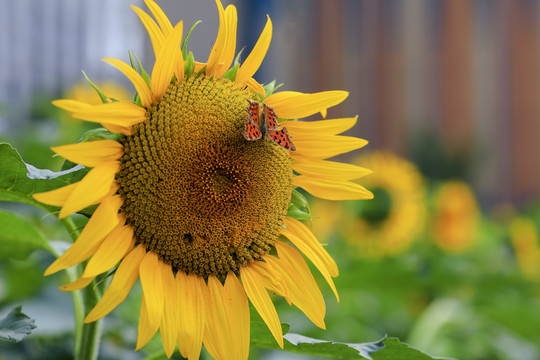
[
  {"x": 251, "y": 131},
  {"x": 253, "y": 111},
  {"x": 270, "y": 117},
  {"x": 281, "y": 137}
]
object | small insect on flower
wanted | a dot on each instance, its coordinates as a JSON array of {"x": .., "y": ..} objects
[{"x": 258, "y": 125}]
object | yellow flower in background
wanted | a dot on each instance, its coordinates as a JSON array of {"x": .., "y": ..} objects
[
  {"x": 388, "y": 224},
  {"x": 455, "y": 216},
  {"x": 192, "y": 208},
  {"x": 84, "y": 93},
  {"x": 524, "y": 235}
]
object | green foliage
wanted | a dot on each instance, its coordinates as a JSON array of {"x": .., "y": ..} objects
[
  {"x": 18, "y": 180},
  {"x": 16, "y": 325},
  {"x": 18, "y": 237}
]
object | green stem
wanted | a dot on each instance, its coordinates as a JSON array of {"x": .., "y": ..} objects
[{"x": 91, "y": 332}]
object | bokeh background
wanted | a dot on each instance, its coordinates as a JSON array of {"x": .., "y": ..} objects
[{"x": 447, "y": 92}]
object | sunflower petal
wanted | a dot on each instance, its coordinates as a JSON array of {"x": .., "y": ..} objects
[
  {"x": 150, "y": 273},
  {"x": 113, "y": 249},
  {"x": 192, "y": 299},
  {"x": 102, "y": 222},
  {"x": 216, "y": 329},
  {"x": 91, "y": 153},
  {"x": 171, "y": 317},
  {"x": 116, "y": 113},
  {"x": 56, "y": 197},
  {"x": 96, "y": 184},
  {"x": 163, "y": 21},
  {"x": 325, "y": 147},
  {"x": 258, "y": 295},
  {"x": 332, "y": 190},
  {"x": 218, "y": 48},
  {"x": 255, "y": 58},
  {"x": 318, "y": 128},
  {"x": 167, "y": 61},
  {"x": 145, "y": 94},
  {"x": 253, "y": 85},
  {"x": 316, "y": 257},
  {"x": 122, "y": 282},
  {"x": 227, "y": 55},
  {"x": 80, "y": 283},
  {"x": 329, "y": 170},
  {"x": 237, "y": 310},
  {"x": 70, "y": 105},
  {"x": 156, "y": 36},
  {"x": 145, "y": 332},
  {"x": 294, "y": 105}
]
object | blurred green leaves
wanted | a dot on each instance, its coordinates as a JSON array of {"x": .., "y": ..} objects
[
  {"x": 16, "y": 325},
  {"x": 19, "y": 238}
]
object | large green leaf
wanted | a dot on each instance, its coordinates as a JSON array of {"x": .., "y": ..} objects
[
  {"x": 16, "y": 325},
  {"x": 18, "y": 237},
  {"x": 18, "y": 180}
]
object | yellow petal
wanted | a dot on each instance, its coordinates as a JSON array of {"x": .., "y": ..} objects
[
  {"x": 171, "y": 317},
  {"x": 150, "y": 272},
  {"x": 329, "y": 170},
  {"x": 271, "y": 280},
  {"x": 332, "y": 190},
  {"x": 70, "y": 105},
  {"x": 308, "y": 297},
  {"x": 216, "y": 325},
  {"x": 253, "y": 85},
  {"x": 229, "y": 47},
  {"x": 96, "y": 184},
  {"x": 145, "y": 94},
  {"x": 253, "y": 61},
  {"x": 145, "y": 332},
  {"x": 198, "y": 67},
  {"x": 113, "y": 249},
  {"x": 237, "y": 309},
  {"x": 256, "y": 291},
  {"x": 217, "y": 49},
  {"x": 117, "y": 113},
  {"x": 325, "y": 146},
  {"x": 167, "y": 61},
  {"x": 80, "y": 283},
  {"x": 294, "y": 105},
  {"x": 156, "y": 36},
  {"x": 192, "y": 300},
  {"x": 163, "y": 21},
  {"x": 91, "y": 153},
  {"x": 318, "y": 128},
  {"x": 102, "y": 222},
  {"x": 117, "y": 129},
  {"x": 302, "y": 290},
  {"x": 122, "y": 282},
  {"x": 55, "y": 197},
  {"x": 318, "y": 256}
]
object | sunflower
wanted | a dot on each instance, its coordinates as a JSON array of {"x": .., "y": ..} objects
[
  {"x": 193, "y": 209},
  {"x": 387, "y": 225},
  {"x": 524, "y": 236},
  {"x": 455, "y": 216}
]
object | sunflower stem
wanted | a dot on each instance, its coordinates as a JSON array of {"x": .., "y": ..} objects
[
  {"x": 72, "y": 275},
  {"x": 91, "y": 332}
]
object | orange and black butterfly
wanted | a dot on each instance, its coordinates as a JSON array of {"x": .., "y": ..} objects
[{"x": 262, "y": 123}]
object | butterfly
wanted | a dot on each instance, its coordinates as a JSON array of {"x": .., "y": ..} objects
[{"x": 259, "y": 124}]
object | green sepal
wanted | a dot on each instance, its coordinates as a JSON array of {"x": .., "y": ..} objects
[
  {"x": 299, "y": 200},
  {"x": 102, "y": 96},
  {"x": 231, "y": 73},
  {"x": 297, "y": 213},
  {"x": 137, "y": 100},
  {"x": 270, "y": 88},
  {"x": 141, "y": 70},
  {"x": 237, "y": 58},
  {"x": 184, "y": 42},
  {"x": 201, "y": 72},
  {"x": 189, "y": 65}
]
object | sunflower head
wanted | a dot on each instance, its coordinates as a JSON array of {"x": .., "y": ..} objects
[
  {"x": 202, "y": 215},
  {"x": 387, "y": 225}
]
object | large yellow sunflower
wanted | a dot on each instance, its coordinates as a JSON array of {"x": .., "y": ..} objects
[
  {"x": 192, "y": 208},
  {"x": 455, "y": 216},
  {"x": 388, "y": 224}
]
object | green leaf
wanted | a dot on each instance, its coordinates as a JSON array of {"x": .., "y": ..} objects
[
  {"x": 16, "y": 325},
  {"x": 297, "y": 213},
  {"x": 270, "y": 88},
  {"x": 18, "y": 181},
  {"x": 231, "y": 73},
  {"x": 18, "y": 237},
  {"x": 396, "y": 350},
  {"x": 102, "y": 96}
]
